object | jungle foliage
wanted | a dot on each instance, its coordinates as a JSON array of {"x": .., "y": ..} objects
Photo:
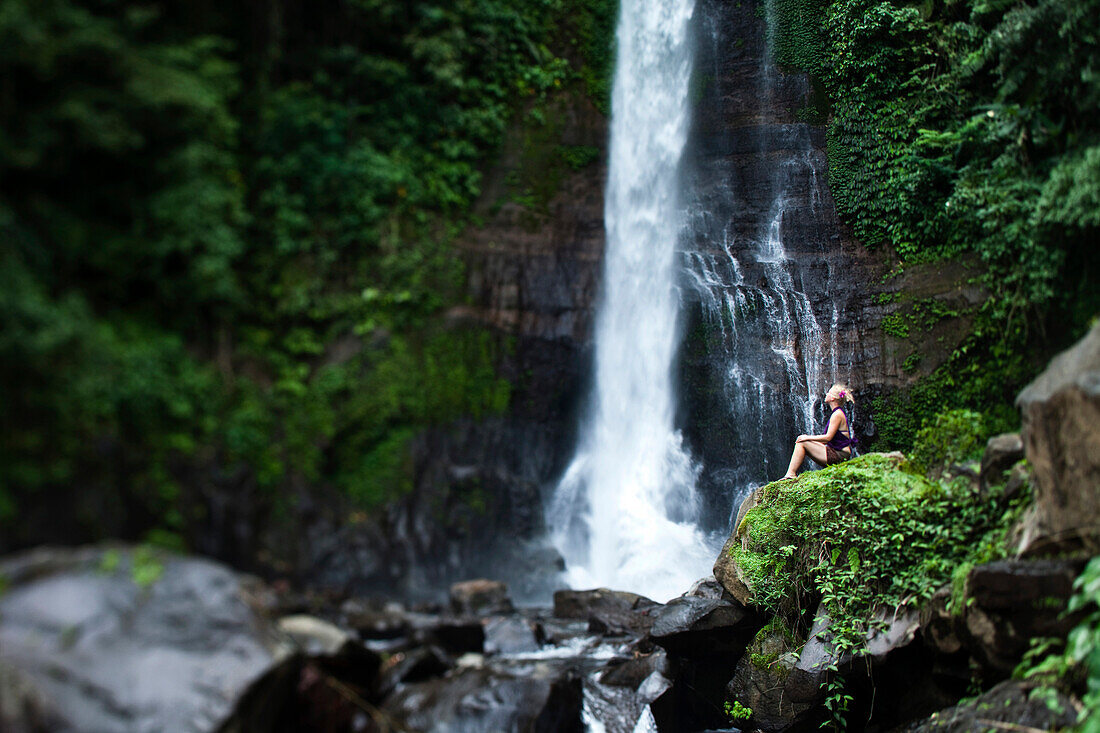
[
  {"x": 226, "y": 240},
  {"x": 966, "y": 128}
]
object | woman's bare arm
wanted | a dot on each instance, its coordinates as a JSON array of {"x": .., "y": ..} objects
[{"x": 834, "y": 425}]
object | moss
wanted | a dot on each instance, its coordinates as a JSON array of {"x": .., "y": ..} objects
[
  {"x": 895, "y": 325},
  {"x": 866, "y": 534}
]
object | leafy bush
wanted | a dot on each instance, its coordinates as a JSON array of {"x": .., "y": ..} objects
[{"x": 949, "y": 437}]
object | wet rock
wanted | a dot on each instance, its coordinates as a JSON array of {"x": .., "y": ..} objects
[
  {"x": 1007, "y": 706},
  {"x": 457, "y": 636},
  {"x": 1008, "y": 602},
  {"x": 632, "y": 672},
  {"x": 726, "y": 571},
  {"x": 509, "y": 635},
  {"x": 1061, "y": 434},
  {"x": 759, "y": 680},
  {"x": 609, "y": 612},
  {"x": 479, "y": 699},
  {"x": 694, "y": 626},
  {"x": 413, "y": 665},
  {"x": 561, "y": 631},
  {"x": 480, "y": 598},
  {"x": 322, "y": 692},
  {"x": 708, "y": 587},
  {"x": 110, "y": 654},
  {"x": 1002, "y": 452},
  {"x": 579, "y": 604}
]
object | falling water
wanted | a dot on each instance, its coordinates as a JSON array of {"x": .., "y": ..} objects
[
  {"x": 761, "y": 233},
  {"x": 624, "y": 513}
]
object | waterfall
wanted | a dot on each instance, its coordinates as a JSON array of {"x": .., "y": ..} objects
[
  {"x": 624, "y": 514},
  {"x": 761, "y": 242}
]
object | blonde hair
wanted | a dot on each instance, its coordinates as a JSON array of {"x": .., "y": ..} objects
[{"x": 842, "y": 391}]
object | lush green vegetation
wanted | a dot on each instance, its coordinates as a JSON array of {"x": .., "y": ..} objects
[
  {"x": 863, "y": 536},
  {"x": 227, "y": 239},
  {"x": 966, "y": 128}
]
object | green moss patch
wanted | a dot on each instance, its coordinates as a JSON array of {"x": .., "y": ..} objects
[{"x": 866, "y": 534}]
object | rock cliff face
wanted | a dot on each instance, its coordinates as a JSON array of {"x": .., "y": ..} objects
[
  {"x": 780, "y": 299},
  {"x": 533, "y": 275}
]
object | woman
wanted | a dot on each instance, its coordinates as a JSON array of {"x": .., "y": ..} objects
[{"x": 835, "y": 445}]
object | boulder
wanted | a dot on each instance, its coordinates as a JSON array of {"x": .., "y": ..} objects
[
  {"x": 113, "y": 638},
  {"x": 759, "y": 680},
  {"x": 708, "y": 587},
  {"x": 634, "y": 671},
  {"x": 479, "y": 699},
  {"x": 480, "y": 598},
  {"x": 806, "y": 680},
  {"x": 698, "y": 627},
  {"x": 456, "y": 636},
  {"x": 1007, "y": 706},
  {"x": 1061, "y": 433},
  {"x": 580, "y": 604},
  {"x": 726, "y": 571},
  {"x": 1002, "y": 452},
  {"x": 412, "y": 665},
  {"x": 609, "y": 612},
  {"x": 1009, "y": 602}
]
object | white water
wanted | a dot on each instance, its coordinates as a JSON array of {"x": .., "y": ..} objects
[{"x": 623, "y": 515}]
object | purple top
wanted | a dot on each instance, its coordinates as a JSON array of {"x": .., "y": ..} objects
[{"x": 840, "y": 442}]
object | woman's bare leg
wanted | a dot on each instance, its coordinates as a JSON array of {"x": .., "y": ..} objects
[
  {"x": 811, "y": 448},
  {"x": 817, "y": 452},
  {"x": 797, "y": 457}
]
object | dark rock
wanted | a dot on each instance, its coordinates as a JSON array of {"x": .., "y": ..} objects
[
  {"x": 693, "y": 626},
  {"x": 480, "y": 598},
  {"x": 456, "y": 635},
  {"x": 942, "y": 629},
  {"x": 379, "y": 624},
  {"x": 1008, "y": 602},
  {"x": 632, "y": 672},
  {"x": 559, "y": 631},
  {"x": 23, "y": 707},
  {"x": 1018, "y": 478},
  {"x": 726, "y": 571},
  {"x": 608, "y": 612},
  {"x": 413, "y": 665},
  {"x": 580, "y": 604},
  {"x": 111, "y": 655},
  {"x": 709, "y": 587},
  {"x": 1007, "y": 706},
  {"x": 1002, "y": 452},
  {"x": 759, "y": 681},
  {"x": 1061, "y": 435},
  {"x": 509, "y": 635},
  {"x": 614, "y": 622},
  {"x": 478, "y": 699},
  {"x": 310, "y": 692}
]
